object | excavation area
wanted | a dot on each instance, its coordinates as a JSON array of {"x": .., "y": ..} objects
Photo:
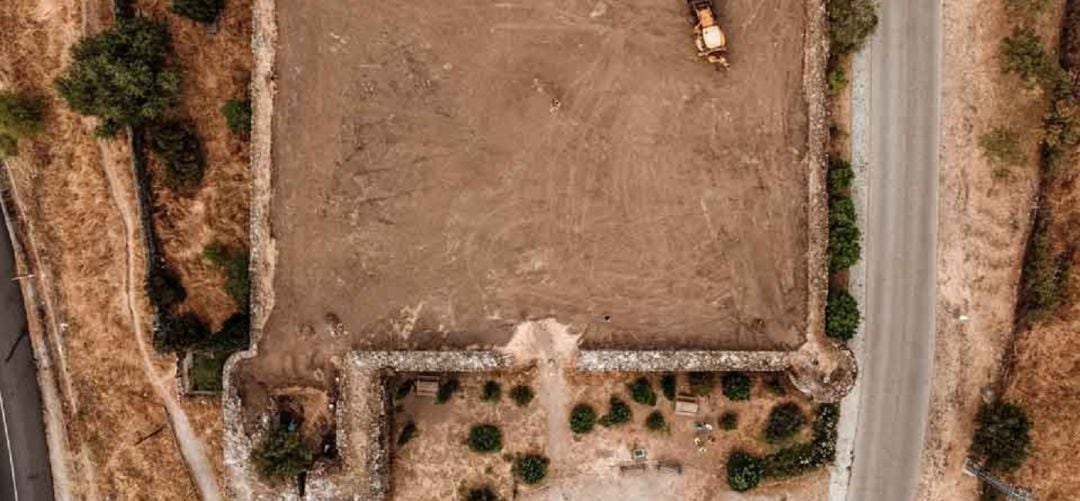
[{"x": 445, "y": 170}]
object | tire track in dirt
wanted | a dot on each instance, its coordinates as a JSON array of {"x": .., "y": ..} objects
[{"x": 191, "y": 448}]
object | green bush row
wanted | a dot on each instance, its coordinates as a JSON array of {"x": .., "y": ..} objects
[{"x": 745, "y": 470}]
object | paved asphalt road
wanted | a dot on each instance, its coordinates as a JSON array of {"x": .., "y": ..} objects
[
  {"x": 22, "y": 433},
  {"x": 900, "y": 250}
]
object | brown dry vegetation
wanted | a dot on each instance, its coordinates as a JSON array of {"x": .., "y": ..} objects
[
  {"x": 984, "y": 221},
  {"x": 76, "y": 227}
]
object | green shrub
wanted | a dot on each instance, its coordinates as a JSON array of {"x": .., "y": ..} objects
[
  {"x": 233, "y": 262},
  {"x": 235, "y": 335},
  {"x": 1002, "y": 145},
  {"x": 20, "y": 116},
  {"x": 179, "y": 333},
  {"x": 163, "y": 287},
  {"x": 851, "y": 22},
  {"x": 841, "y": 315},
  {"x": 785, "y": 420},
  {"x": 582, "y": 418},
  {"x": 618, "y": 413},
  {"x": 446, "y": 390},
  {"x": 701, "y": 383},
  {"x": 791, "y": 460},
  {"x": 403, "y": 389},
  {"x": 1043, "y": 271},
  {"x": 655, "y": 421},
  {"x": 238, "y": 116},
  {"x": 9, "y": 146},
  {"x": 729, "y": 420},
  {"x": 844, "y": 245},
  {"x": 408, "y": 432},
  {"x": 492, "y": 392},
  {"x": 669, "y": 384},
  {"x": 485, "y": 438},
  {"x": 1023, "y": 54},
  {"x": 521, "y": 395},
  {"x": 282, "y": 455},
  {"x": 1025, "y": 7},
  {"x": 484, "y": 493},
  {"x": 736, "y": 386},
  {"x": 836, "y": 79},
  {"x": 775, "y": 384},
  {"x": 119, "y": 75},
  {"x": 178, "y": 148},
  {"x": 842, "y": 211},
  {"x": 840, "y": 176},
  {"x": 641, "y": 391},
  {"x": 744, "y": 471},
  {"x": 205, "y": 372},
  {"x": 203, "y": 11},
  {"x": 1003, "y": 436},
  {"x": 531, "y": 468}
]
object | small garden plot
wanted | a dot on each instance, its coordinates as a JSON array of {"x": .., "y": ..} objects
[
  {"x": 477, "y": 432},
  {"x": 459, "y": 433}
]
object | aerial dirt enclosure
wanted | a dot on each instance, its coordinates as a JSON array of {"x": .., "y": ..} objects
[{"x": 443, "y": 171}]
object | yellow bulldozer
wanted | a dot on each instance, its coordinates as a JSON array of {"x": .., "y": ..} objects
[{"x": 708, "y": 37}]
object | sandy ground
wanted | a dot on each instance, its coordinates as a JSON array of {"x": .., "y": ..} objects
[
  {"x": 983, "y": 226},
  {"x": 471, "y": 165},
  {"x": 587, "y": 466}
]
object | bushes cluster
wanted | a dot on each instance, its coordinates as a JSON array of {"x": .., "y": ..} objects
[
  {"x": 745, "y": 471},
  {"x": 669, "y": 384},
  {"x": 641, "y": 391},
  {"x": 618, "y": 413},
  {"x": 840, "y": 175},
  {"x": 203, "y": 11},
  {"x": 238, "y": 116},
  {"x": 408, "y": 432},
  {"x": 178, "y": 148},
  {"x": 492, "y": 392},
  {"x": 20, "y": 116},
  {"x": 233, "y": 262},
  {"x": 180, "y": 333},
  {"x": 844, "y": 245},
  {"x": 521, "y": 395},
  {"x": 120, "y": 75},
  {"x": 841, "y": 315},
  {"x": 485, "y": 438},
  {"x": 582, "y": 418},
  {"x": 1043, "y": 272},
  {"x": 729, "y": 420},
  {"x": 1023, "y": 54},
  {"x": 775, "y": 384},
  {"x": 1003, "y": 437},
  {"x": 483, "y": 493},
  {"x": 785, "y": 420},
  {"x": 655, "y": 421},
  {"x": 1002, "y": 146},
  {"x": 736, "y": 386},
  {"x": 701, "y": 383},
  {"x": 851, "y": 22},
  {"x": 282, "y": 455},
  {"x": 163, "y": 287},
  {"x": 446, "y": 390},
  {"x": 531, "y": 468}
]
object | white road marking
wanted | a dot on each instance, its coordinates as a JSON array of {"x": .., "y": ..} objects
[{"x": 7, "y": 440}]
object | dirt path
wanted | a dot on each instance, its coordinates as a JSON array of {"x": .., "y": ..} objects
[
  {"x": 190, "y": 446},
  {"x": 552, "y": 346}
]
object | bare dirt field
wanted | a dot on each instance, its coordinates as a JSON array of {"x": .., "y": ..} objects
[
  {"x": 444, "y": 171},
  {"x": 585, "y": 466}
]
